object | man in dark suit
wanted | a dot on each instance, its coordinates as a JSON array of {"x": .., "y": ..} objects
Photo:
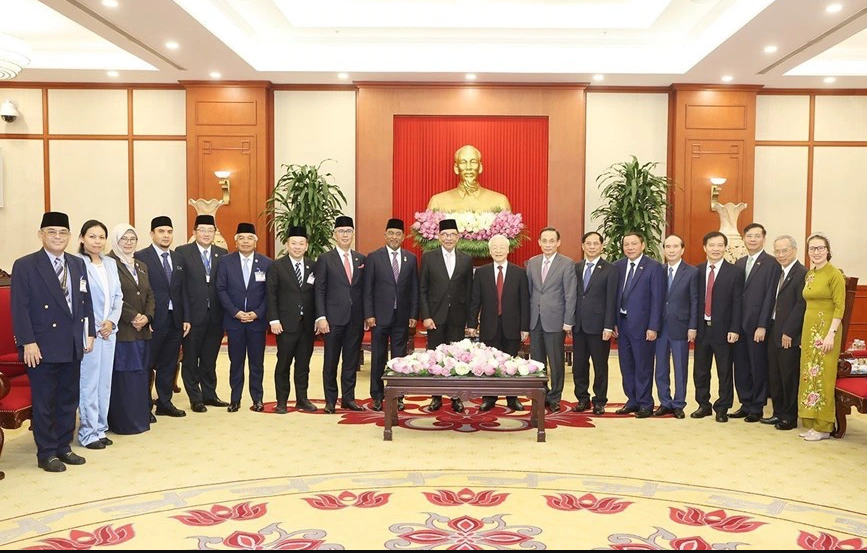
[
  {"x": 784, "y": 334},
  {"x": 761, "y": 273},
  {"x": 198, "y": 263},
  {"x": 642, "y": 294},
  {"x": 168, "y": 325},
  {"x": 53, "y": 327},
  {"x": 241, "y": 287},
  {"x": 679, "y": 328},
  {"x": 720, "y": 293},
  {"x": 595, "y": 319},
  {"x": 502, "y": 295},
  {"x": 390, "y": 303},
  {"x": 445, "y": 284},
  {"x": 291, "y": 313},
  {"x": 340, "y": 314}
]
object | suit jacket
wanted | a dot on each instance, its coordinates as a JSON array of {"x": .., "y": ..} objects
[
  {"x": 515, "y": 298},
  {"x": 643, "y": 299},
  {"x": 441, "y": 297},
  {"x": 137, "y": 298},
  {"x": 759, "y": 291},
  {"x": 554, "y": 299},
  {"x": 790, "y": 306},
  {"x": 337, "y": 299},
  {"x": 40, "y": 313},
  {"x": 681, "y": 301},
  {"x": 197, "y": 293},
  {"x": 596, "y": 309},
  {"x": 113, "y": 296},
  {"x": 380, "y": 288},
  {"x": 728, "y": 291},
  {"x": 235, "y": 296},
  {"x": 288, "y": 301},
  {"x": 163, "y": 289}
]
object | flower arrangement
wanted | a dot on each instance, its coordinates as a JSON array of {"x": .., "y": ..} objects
[
  {"x": 464, "y": 358},
  {"x": 474, "y": 228}
]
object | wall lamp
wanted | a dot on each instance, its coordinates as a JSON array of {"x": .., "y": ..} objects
[
  {"x": 223, "y": 180},
  {"x": 715, "y": 189}
]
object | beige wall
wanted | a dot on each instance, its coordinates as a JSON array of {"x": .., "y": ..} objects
[
  {"x": 160, "y": 185},
  {"x": 781, "y": 192},
  {"x": 87, "y": 111},
  {"x": 29, "y": 103},
  {"x": 23, "y": 199}
]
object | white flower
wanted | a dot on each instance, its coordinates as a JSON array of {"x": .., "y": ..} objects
[
  {"x": 523, "y": 370},
  {"x": 462, "y": 369}
]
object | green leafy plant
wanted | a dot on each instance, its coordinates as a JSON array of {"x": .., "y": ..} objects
[
  {"x": 634, "y": 200},
  {"x": 305, "y": 197}
]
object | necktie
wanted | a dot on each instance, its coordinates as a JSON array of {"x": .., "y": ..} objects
[
  {"x": 750, "y": 262},
  {"x": 298, "y": 273},
  {"x": 449, "y": 265},
  {"x": 545, "y": 267},
  {"x": 167, "y": 269},
  {"x": 777, "y": 295},
  {"x": 708, "y": 295},
  {"x": 206, "y": 259},
  {"x": 395, "y": 269},
  {"x": 500, "y": 290},
  {"x": 246, "y": 271},
  {"x": 670, "y": 276},
  {"x": 347, "y": 268},
  {"x": 63, "y": 277},
  {"x": 628, "y": 282},
  {"x": 588, "y": 272}
]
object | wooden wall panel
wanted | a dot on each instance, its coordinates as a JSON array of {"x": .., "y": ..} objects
[
  {"x": 716, "y": 117},
  {"x": 858, "y": 324}
]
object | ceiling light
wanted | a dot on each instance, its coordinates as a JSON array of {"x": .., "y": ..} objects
[
  {"x": 770, "y": 49},
  {"x": 470, "y": 76},
  {"x": 834, "y": 8},
  {"x": 172, "y": 45},
  {"x": 829, "y": 80},
  {"x": 727, "y": 78},
  {"x": 112, "y": 73},
  {"x": 14, "y": 56},
  {"x": 215, "y": 75},
  {"x": 343, "y": 76},
  {"x": 598, "y": 77},
  {"x": 110, "y": 3}
]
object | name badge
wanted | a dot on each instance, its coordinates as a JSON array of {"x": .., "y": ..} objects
[
  {"x": 82, "y": 286},
  {"x": 260, "y": 276},
  {"x": 310, "y": 279}
]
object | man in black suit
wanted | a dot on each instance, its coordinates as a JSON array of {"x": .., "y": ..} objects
[
  {"x": 291, "y": 315},
  {"x": 720, "y": 292},
  {"x": 595, "y": 318},
  {"x": 445, "y": 284},
  {"x": 502, "y": 294},
  {"x": 761, "y": 273},
  {"x": 198, "y": 263},
  {"x": 340, "y": 314},
  {"x": 784, "y": 334},
  {"x": 168, "y": 325},
  {"x": 390, "y": 303}
]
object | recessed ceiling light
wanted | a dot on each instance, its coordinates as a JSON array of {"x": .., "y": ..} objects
[
  {"x": 343, "y": 76},
  {"x": 470, "y": 76},
  {"x": 112, "y": 73},
  {"x": 727, "y": 78},
  {"x": 834, "y": 8},
  {"x": 598, "y": 77},
  {"x": 172, "y": 45},
  {"x": 215, "y": 75},
  {"x": 110, "y": 3},
  {"x": 830, "y": 80},
  {"x": 770, "y": 49}
]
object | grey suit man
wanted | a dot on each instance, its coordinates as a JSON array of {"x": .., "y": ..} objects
[{"x": 553, "y": 287}]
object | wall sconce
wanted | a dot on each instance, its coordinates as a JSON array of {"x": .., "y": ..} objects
[
  {"x": 715, "y": 189},
  {"x": 223, "y": 177}
]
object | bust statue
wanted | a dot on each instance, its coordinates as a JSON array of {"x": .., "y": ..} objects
[{"x": 469, "y": 194}]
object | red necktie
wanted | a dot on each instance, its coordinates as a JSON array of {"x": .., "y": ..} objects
[
  {"x": 346, "y": 267},
  {"x": 500, "y": 290},
  {"x": 708, "y": 296}
]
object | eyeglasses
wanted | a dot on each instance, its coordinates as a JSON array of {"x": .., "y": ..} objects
[
  {"x": 818, "y": 249},
  {"x": 128, "y": 239},
  {"x": 57, "y": 233},
  {"x": 344, "y": 231}
]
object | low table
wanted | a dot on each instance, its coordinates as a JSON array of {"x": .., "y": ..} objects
[{"x": 465, "y": 387}]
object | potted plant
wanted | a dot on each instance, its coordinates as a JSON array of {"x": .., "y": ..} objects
[
  {"x": 304, "y": 197},
  {"x": 634, "y": 200}
]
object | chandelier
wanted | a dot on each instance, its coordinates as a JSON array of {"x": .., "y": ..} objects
[{"x": 14, "y": 56}]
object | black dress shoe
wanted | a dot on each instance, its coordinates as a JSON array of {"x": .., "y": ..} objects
[
  {"x": 435, "y": 404},
  {"x": 678, "y": 413},
  {"x": 488, "y": 404},
  {"x": 400, "y": 405},
  {"x": 199, "y": 408},
  {"x": 752, "y": 418},
  {"x": 71, "y": 458},
  {"x": 216, "y": 402},
  {"x": 153, "y": 419},
  {"x": 171, "y": 411},
  {"x": 700, "y": 413},
  {"x": 305, "y": 405},
  {"x": 626, "y": 410},
  {"x": 351, "y": 405},
  {"x": 783, "y": 425},
  {"x": 457, "y": 405},
  {"x": 514, "y": 404},
  {"x": 233, "y": 407},
  {"x": 739, "y": 414},
  {"x": 106, "y": 441},
  {"x": 95, "y": 445},
  {"x": 377, "y": 405},
  {"x": 662, "y": 411},
  {"x": 598, "y": 409},
  {"x": 554, "y": 407},
  {"x": 770, "y": 420},
  {"x": 52, "y": 464},
  {"x": 643, "y": 413},
  {"x": 258, "y": 407},
  {"x": 280, "y": 409},
  {"x": 581, "y": 406},
  {"x": 722, "y": 417},
  {"x": 329, "y": 408}
]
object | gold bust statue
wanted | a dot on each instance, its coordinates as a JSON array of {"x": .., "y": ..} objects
[{"x": 469, "y": 194}]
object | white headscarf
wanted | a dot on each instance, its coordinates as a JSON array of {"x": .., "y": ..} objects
[{"x": 116, "y": 233}]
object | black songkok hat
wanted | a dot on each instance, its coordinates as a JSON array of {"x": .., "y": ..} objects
[
  {"x": 55, "y": 219},
  {"x": 297, "y": 231},
  {"x": 205, "y": 220},
  {"x": 448, "y": 224},
  {"x": 343, "y": 221},
  {"x": 161, "y": 221},
  {"x": 395, "y": 224},
  {"x": 246, "y": 228}
]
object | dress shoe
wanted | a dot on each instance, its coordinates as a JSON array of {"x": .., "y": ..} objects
[
  {"x": 435, "y": 404},
  {"x": 817, "y": 436},
  {"x": 280, "y": 409},
  {"x": 233, "y": 407},
  {"x": 329, "y": 408},
  {"x": 514, "y": 404},
  {"x": 305, "y": 405},
  {"x": 581, "y": 406},
  {"x": 643, "y": 413},
  {"x": 199, "y": 408},
  {"x": 171, "y": 411},
  {"x": 626, "y": 410},
  {"x": 662, "y": 411},
  {"x": 351, "y": 405},
  {"x": 752, "y": 418},
  {"x": 770, "y": 420},
  {"x": 106, "y": 441},
  {"x": 700, "y": 413},
  {"x": 783, "y": 425},
  {"x": 598, "y": 409},
  {"x": 739, "y": 414},
  {"x": 554, "y": 407},
  {"x": 152, "y": 419},
  {"x": 258, "y": 406},
  {"x": 457, "y": 405},
  {"x": 487, "y": 404},
  {"x": 678, "y": 413},
  {"x": 722, "y": 417},
  {"x": 71, "y": 458},
  {"x": 52, "y": 464},
  {"x": 216, "y": 402},
  {"x": 95, "y": 445},
  {"x": 400, "y": 405},
  {"x": 377, "y": 405}
]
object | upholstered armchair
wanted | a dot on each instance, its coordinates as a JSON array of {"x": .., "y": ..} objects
[{"x": 15, "y": 402}]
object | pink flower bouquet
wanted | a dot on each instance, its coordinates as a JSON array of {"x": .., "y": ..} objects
[
  {"x": 464, "y": 358},
  {"x": 474, "y": 228}
]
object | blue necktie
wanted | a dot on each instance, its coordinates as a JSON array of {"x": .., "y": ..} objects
[
  {"x": 298, "y": 273},
  {"x": 167, "y": 268},
  {"x": 206, "y": 259},
  {"x": 63, "y": 277},
  {"x": 628, "y": 281},
  {"x": 670, "y": 276},
  {"x": 588, "y": 271}
]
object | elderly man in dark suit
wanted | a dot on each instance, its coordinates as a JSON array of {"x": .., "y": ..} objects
[
  {"x": 784, "y": 334},
  {"x": 761, "y": 273},
  {"x": 445, "y": 283},
  {"x": 595, "y": 319},
  {"x": 291, "y": 315},
  {"x": 502, "y": 295},
  {"x": 168, "y": 325},
  {"x": 720, "y": 293},
  {"x": 241, "y": 287},
  {"x": 340, "y": 314},
  {"x": 679, "y": 328},
  {"x": 390, "y": 303},
  {"x": 199, "y": 263},
  {"x": 53, "y": 326}
]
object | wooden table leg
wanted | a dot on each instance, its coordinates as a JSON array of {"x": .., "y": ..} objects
[
  {"x": 390, "y": 412},
  {"x": 539, "y": 414}
]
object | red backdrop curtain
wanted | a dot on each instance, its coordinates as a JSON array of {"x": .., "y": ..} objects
[{"x": 514, "y": 159}]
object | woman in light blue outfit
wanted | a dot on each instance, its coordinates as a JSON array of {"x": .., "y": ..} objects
[{"x": 97, "y": 366}]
